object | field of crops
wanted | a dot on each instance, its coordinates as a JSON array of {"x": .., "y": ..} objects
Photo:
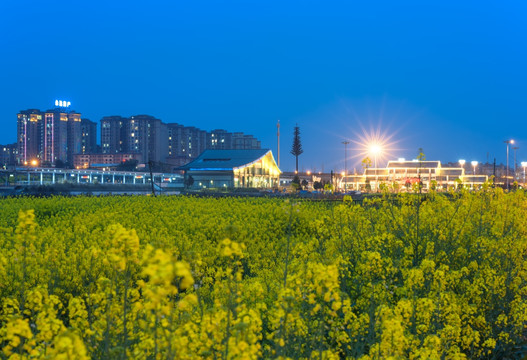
[{"x": 247, "y": 278}]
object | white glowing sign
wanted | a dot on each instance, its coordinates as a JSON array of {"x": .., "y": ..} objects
[{"x": 62, "y": 103}]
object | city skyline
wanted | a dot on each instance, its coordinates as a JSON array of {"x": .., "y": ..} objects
[{"x": 448, "y": 78}]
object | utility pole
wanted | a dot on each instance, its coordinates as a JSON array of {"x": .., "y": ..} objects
[
  {"x": 151, "y": 177},
  {"x": 278, "y": 141},
  {"x": 345, "y": 163},
  {"x": 515, "y": 148}
]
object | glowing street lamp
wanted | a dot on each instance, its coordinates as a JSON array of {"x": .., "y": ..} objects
[
  {"x": 462, "y": 163},
  {"x": 474, "y": 164},
  {"x": 375, "y": 149},
  {"x": 524, "y": 165},
  {"x": 508, "y": 142}
]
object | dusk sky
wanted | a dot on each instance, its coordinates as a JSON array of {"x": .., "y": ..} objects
[{"x": 447, "y": 76}]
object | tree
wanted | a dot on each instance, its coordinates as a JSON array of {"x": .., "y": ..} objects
[
  {"x": 296, "y": 150},
  {"x": 189, "y": 181},
  {"x": 295, "y": 184},
  {"x": 128, "y": 165},
  {"x": 366, "y": 163},
  {"x": 317, "y": 185}
]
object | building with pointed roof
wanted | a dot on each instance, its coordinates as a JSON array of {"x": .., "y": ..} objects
[{"x": 254, "y": 168}]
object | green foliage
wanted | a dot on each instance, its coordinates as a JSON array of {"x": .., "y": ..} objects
[{"x": 402, "y": 276}]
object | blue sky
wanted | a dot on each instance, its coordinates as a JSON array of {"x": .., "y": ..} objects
[{"x": 447, "y": 76}]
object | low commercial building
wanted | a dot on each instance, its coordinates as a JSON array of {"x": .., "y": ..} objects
[
  {"x": 404, "y": 173},
  {"x": 90, "y": 161},
  {"x": 254, "y": 168}
]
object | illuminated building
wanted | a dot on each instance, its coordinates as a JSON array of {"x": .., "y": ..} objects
[
  {"x": 220, "y": 139},
  {"x": 88, "y": 136},
  {"x": 233, "y": 168},
  {"x": 88, "y": 161},
  {"x": 48, "y": 136},
  {"x": 28, "y": 134},
  {"x": 185, "y": 143},
  {"x": 111, "y": 134},
  {"x": 404, "y": 174},
  {"x": 8, "y": 154},
  {"x": 141, "y": 134}
]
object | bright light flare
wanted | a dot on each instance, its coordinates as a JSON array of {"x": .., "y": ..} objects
[
  {"x": 375, "y": 146},
  {"x": 375, "y": 149}
]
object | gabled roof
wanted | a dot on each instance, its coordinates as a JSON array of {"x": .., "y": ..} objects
[{"x": 225, "y": 159}]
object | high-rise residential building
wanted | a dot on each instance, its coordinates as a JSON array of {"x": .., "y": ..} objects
[
  {"x": 240, "y": 141},
  {"x": 88, "y": 136},
  {"x": 220, "y": 139},
  {"x": 170, "y": 143},
  {"x": 185, "y": 143},
  {"x": 61, "y": 136},
  {"x": 8, "y": 154},
  {"x": 48, "y": 136},
  {"x": 112, "y": 134},
  {"x": 146, "y": 135},
  {"x": 28, "y": 135},
  {"x": 141, "y": 134}
]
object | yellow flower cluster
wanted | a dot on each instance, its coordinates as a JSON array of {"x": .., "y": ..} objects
[{"x": 402, "y": 276}]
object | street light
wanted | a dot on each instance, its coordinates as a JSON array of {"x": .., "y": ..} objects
[
  {"x": 524, "y": 165},
  {"x": 508, "y": 142},
  {"x": 474, "y": 164},
  {"x": 462, "y": 163},
  {"x": 345, "y": 162},
  {"x": 375, "y": 149}
]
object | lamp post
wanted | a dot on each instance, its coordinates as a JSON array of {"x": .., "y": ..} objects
[
  {"x": 375, "y": 149},
  {"x": 524, "y": 165},
  {"x": 508, "y": 142},
  {"x": 462, "y": 163},
  {"x": 474, "y": 163},
  {"x": 345, "y": 162}
]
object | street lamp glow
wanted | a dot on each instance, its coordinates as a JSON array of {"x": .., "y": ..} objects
[
  {"x": 462, "y": 162},
  {"x": 401, "y": 159},
  {"x": 474, "y": 164},
  {"x": 375, "y": 149}
]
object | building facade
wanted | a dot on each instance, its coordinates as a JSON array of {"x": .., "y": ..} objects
[
  {"x": 401, "y": 175},
  {"x": 232, "y": 169},
  {"x": 88, "y": 136},
  {"x": 48, "y": 136},
  {"x": 87, "y": 161},
  {"x": 28, "y": 135},
  {"x": 8, "y": 155}
]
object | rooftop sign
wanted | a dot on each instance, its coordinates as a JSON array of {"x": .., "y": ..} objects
[{"x": 62, "y": 103}]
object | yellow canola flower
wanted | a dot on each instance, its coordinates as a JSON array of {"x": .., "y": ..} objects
[{"x": 15, "y": 331}]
